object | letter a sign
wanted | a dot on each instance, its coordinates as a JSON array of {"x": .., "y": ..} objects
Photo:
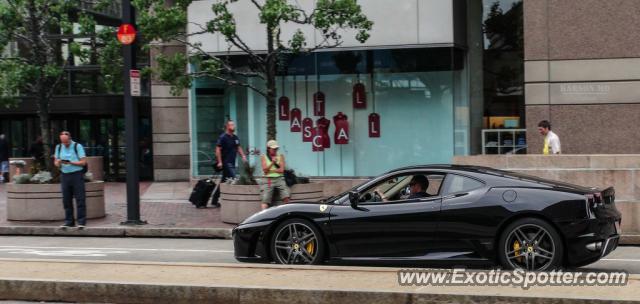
[{"x": 296, "y": 120}]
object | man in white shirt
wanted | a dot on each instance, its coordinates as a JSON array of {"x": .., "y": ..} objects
[{"x": 551, "y": 140}]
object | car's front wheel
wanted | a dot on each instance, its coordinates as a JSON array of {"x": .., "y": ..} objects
[
  {"x": 297, "y": 241},
  {"x": 530, "y": 244}
]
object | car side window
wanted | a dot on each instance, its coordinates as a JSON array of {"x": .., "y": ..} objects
[
  {"x": 459, "y": 183},
  {"x": 404, "y": 187}
]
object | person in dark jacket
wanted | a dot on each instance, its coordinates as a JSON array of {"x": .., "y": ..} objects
[{"x": 5, "y": 152}]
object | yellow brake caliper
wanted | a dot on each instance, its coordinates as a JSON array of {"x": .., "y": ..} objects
[
  {"x": 310, "y": 247},
  {"x": 516, "y": 248}
]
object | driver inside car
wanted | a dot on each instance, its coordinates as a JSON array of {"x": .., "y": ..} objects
[{"x": 417, "y": 189}]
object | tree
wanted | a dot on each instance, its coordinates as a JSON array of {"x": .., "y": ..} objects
[
  {"x": 35, "y": 71},
  {"x": 160, "y": 22}
]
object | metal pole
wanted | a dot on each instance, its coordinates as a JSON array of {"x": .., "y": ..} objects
[{"x": 131, "y": 125}]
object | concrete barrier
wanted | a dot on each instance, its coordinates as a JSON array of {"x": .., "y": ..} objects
[
  {"x": 237, "y": 202},
  {"x": 153, "y": 282},
  {"x": 104, "y": 292},
  {"x": 43, "y": 202},
  {"x": 621, "y": 171}
]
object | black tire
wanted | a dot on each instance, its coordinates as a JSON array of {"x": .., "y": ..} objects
[
  {"x": 299, "y": 249},
  {"x": 528, "y": 241}
]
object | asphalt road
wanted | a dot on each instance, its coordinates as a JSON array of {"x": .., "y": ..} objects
[{"x": 193, "y": 251}]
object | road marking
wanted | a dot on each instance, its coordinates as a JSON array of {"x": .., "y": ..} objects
[
  {"x": 63, "y": 253},
  {"x": 621, "y": 260},
  {"x": 118, "y": 249}
]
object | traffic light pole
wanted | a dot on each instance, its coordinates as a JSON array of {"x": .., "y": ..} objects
[{"x": 131, "y": 125}]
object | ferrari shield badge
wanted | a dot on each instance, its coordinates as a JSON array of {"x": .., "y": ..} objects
[{"x": 323, "y": 207}]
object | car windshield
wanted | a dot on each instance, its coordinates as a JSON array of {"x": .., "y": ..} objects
[{"x": 345, "y": 192}]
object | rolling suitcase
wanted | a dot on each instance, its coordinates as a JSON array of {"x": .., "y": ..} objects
[{"x": 202, "y": 192}]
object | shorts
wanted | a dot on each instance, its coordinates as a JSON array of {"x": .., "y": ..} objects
[
  {"x": 270, "y": 185},
  {"x": 4, "y": 167}
]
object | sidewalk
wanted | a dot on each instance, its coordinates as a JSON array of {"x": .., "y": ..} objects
[
  {"x": 129, "y": 282},
  {"x": 164, "y": 206}
]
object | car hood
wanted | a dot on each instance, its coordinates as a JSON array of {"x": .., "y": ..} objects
[{"x": 273, "y": 213}]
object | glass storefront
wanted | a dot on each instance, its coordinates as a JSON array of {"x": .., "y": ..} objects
[
  {"x": 503, "y": 73},
  {"x": 418, "y": 96},
  {"x": 100, "y": 135}
]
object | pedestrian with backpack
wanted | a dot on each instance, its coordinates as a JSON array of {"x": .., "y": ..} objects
[{"x": 71, "y": 159}]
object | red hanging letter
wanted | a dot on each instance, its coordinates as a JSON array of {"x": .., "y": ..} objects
[
  {"x": 296, "y": 120},
  {"x": 318, "y": 103},
  {"x": 359, "y": 96},
  {"x": 307, "y": 130},
  {"x": 283, "y": 107},
  {"x": 374, "y": 125}
]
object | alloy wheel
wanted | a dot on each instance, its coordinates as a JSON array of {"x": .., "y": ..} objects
[
  {"x": 296, "y": 243},
  {"x": 530, "y": 247}
]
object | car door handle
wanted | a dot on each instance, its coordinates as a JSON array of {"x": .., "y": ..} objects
[{"x": 455, "y": 195}]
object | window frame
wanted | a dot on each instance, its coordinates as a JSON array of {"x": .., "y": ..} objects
[
  {"x": 369, "y": 185},
  {"x": 449, "y": 179}
]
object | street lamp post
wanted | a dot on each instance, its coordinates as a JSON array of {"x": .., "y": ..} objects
[{"x": 131, "y": 123}]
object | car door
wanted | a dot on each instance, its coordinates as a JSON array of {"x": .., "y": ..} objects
[
  {"x": 402, "y": 229},
  {"x": 466, "y": 221}
]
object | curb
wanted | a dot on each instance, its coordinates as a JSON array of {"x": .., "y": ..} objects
[
  {"x": 217, "y": 233},
  {"x": 630, "y": 239},
  {"x": 86, "y": 291}
]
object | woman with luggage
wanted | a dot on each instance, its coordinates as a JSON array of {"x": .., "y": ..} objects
[{"x": 273, "y": 167}]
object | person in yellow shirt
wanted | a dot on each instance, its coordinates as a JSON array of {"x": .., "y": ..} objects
[
  {"x": 273, "y": 166},
  {"x": 551, "y": 140}
]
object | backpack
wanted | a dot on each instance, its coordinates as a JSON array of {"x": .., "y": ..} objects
[{"x": 85, "y": 168}]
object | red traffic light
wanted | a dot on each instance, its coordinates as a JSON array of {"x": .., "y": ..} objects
[{"x": 126, "y": 34}]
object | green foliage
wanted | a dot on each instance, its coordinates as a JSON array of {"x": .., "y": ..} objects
[
  {"x": 110, "y": 60},
  {"x": 42, "y": 177},
  {"x": 15, "y": 73},
  {"x": 245, "y": 176},
  {"x": 22, "y": 178},
  {"x": 172, "y": 69}
]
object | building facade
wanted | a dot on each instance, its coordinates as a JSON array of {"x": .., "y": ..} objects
[
  {"x": 432, "y": 76},
  {"x": 445, "y": 78},
  {"x": 582, "y": 73},
  {"x": 437, "y": 79}
]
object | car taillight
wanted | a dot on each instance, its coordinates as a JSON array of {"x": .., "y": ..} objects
[{"x": 597, "y": 199}]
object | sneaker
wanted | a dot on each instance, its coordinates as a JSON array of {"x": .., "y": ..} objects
[
  {"x": 82, "y": 226},
  {"x": 215, "y": 206},
  {"x": 66, "y": 225}
]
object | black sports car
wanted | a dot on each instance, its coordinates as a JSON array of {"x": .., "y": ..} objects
[{"x": 460, "y": 214}]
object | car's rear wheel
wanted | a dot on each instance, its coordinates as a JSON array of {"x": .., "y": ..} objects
[
  {"x": 297, "y": 241},
  {"x": 530, "y": 244}
]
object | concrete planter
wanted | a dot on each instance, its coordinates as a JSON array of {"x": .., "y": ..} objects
[
  {"x": 96, "y": 166},
  {"x": 35, "y": 202},
  {"x": 238, "y": 202}
]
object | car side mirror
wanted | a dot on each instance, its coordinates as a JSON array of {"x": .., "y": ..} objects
[{"x": 354, "y": 198}]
